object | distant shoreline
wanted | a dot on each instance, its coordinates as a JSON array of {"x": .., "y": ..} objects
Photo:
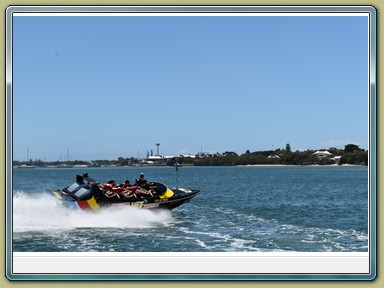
[{"x": 287, "y": 165}]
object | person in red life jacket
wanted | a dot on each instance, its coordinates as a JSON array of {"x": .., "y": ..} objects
[
  {"x": 110, "y": 189},
  {"x": 127, "y": 184},
  {"x": 109, "y": 185},
  {"x": 128, "y": 189}
]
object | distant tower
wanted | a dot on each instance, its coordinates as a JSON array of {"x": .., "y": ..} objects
[{"x": 157, "y": 144}]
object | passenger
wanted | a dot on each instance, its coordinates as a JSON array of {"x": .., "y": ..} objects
[
  {"x": 124, "y": 189},
  {"x": 128, "y": 193},
  {"x": 143, "y": 192},
  {"x": 141, "y": 182},
  {"x": 109, "y": 185},
  {"x": 117, "y": 189},
  {"x": 111, "y": 193},
  {"x": 112, "y": 182},
  {"x": 110, "y": 189},
  {"x": 127, "y": 184}
]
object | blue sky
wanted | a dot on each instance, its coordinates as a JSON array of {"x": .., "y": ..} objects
[{"x": 106, "y": 87}]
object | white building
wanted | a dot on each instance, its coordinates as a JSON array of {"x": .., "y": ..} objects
[{"x": 322, "y": 154}]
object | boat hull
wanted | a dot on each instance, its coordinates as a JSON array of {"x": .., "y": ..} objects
[
  {"x": 145, "y": 203},
  {"x": 86, "y": 195}
]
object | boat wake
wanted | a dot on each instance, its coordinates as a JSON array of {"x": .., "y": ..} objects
[{"x": 42, "y": 212}]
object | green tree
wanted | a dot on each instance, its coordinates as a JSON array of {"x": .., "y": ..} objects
[
  {"x": 350, "y": 148},
  {"x": 336, "y": 151},
  {"x": 231, "y": 153},
  {"x": 288, "y": 147},
  {"x": 358, "y": 157}
]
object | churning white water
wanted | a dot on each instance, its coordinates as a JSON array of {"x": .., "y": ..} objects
[{"x": 42, "y": 212}]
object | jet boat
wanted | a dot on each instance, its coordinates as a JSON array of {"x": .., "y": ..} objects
[{"x": 87, "y": 194}]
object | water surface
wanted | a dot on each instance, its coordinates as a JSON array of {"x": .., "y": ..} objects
[{"x": 239, "y": 209}]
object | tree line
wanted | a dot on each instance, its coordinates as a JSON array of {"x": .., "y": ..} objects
[{"x": 351, "y": 154}]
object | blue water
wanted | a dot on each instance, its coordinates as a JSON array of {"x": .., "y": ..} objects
[{"x": 245, "y": 209}]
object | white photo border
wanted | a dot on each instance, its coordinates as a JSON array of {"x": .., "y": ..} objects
[{"x": 357, "y": 266}]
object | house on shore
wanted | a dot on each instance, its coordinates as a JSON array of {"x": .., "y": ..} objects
[
  {"x": 156, "y": 160},
  {"x": 322, "y": 154},
  {"x": 327, "y": 155}
]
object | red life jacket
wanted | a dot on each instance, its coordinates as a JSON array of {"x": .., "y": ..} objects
[
  {"x": 107, "y": 185},
  {"x": 133, "y": 188},
  {"x": 117, "y": 189}
]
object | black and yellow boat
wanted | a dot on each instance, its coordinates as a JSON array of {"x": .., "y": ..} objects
[{"x": 87, "y": 194}]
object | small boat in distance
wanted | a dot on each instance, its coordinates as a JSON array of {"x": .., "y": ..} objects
[
  {"x": 26, "y": 166},
  {"x": 87, "y": 194}
]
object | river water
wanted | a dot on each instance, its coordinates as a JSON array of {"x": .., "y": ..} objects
[{"x": 239, "y": 209}]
